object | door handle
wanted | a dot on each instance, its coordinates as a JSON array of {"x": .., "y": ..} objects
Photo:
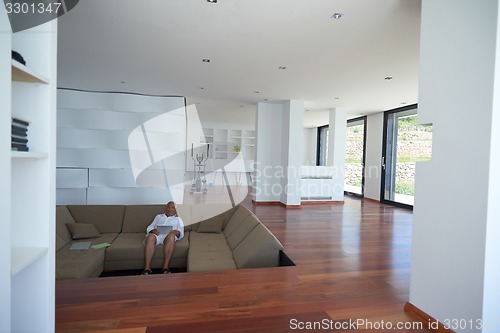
[{"x": 383, "y": 162}]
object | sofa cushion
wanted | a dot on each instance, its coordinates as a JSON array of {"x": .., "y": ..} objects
[
  {"x": 243, "y": 229},
  {"x": 82, "y": 230},
  {"x": 213, "y": 225},
  {"x": 236, "y": 219},
  {"x": 63, "y": 216},
  {"x": 127, "y": 252},
  {"x": 203, "y": 212},
  {"x": 79, "y": 264},
  {"x": 184, "y": 212},
  {"x": 106, "y": 218},
  {"x": 60, "y": 242},
  {"x": 259, "y": 249},
  {"x": 209, "y": 252},
  {"x": 138, "y": 217}
]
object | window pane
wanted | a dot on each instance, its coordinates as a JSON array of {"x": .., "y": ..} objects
[
  {"x": 414, "y": 143},
  {"x": 354, "y": 157},
  {"x": 323, "y": 145}
]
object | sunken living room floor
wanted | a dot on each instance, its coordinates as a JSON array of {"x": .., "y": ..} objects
[{"x": 352, "y": 273}]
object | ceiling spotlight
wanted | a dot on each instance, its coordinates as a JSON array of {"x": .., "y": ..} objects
[
  {"x": 337, "y": 16},
  {"x": 256, "y": 92},
  {"x": 212, "y": 1},
  {"x": 336, "y": 98},
  {"x": 282, "y": 67},
  {"x": 205, "y": 60},
  {"x": 388, "y": 78}
]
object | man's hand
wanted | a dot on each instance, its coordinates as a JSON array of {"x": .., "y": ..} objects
[{"x": 155, "y": 231}]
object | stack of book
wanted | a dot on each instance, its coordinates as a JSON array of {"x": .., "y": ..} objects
[{"x": 19, "y": 136}]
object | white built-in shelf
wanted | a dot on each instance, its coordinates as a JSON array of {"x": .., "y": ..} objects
[
  {"x": 28, "y": 155},
  {"x": 21, "y": 73},
  {"x": 24, "y": 256}
]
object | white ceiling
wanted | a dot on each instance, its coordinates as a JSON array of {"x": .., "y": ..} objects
[{"x": 157, "y": 47}]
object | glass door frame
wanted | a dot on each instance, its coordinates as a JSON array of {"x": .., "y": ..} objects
[
  {"x": 389, "y": 160},
  {"x": 364, "y": 119}
]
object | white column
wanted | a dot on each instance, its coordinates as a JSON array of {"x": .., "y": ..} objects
[
  {"x": 268, "y": 127},
  {"x": 336, "y": 150},
  {"x": 455, "y": 251},
  {"x": 292, "y": 151},
  {"x": 279, "y": 148}
]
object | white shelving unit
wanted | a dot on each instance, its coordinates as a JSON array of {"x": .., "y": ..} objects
[
  {"x": 28, "y": 179},
  {"x": 228, "y": 143},
  {"x": 231, "y": 149}
]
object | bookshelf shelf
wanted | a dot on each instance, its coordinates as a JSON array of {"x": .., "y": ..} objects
[
  {"x": 21, "y": 73},
  {"x": 23, "y": 257},
  {"x": 28, "y": 155}
]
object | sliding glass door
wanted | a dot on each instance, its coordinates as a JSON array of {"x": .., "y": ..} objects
[
  {"x": 405, "y": 143},
  {"x": 355, "y": 157}
]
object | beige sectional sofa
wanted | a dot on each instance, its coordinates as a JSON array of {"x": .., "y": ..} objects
[{"x": 216, "y": 237}]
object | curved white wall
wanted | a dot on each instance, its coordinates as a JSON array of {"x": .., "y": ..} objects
[{"x": 116, "y": 148}]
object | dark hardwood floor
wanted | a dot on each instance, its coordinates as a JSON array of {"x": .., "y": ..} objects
[{"x": 352, "y": 267}]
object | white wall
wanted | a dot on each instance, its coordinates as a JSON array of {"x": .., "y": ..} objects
[
  {"x": 491, "y": 293},
  {"x": 374, "y": 132},
  {"x": 292, "y": 152},
  {"x": 5, "y": 171},
  {"x": 336, "y": 151},
  {"x": 310, "y": 139},
  {"x": 451, "y": 212},
  {"x": 117, "y": 148},
  {"x": 268, "y": 143}
]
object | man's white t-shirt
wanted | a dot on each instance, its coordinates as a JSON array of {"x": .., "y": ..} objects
[{"x": 174, "y": 221}]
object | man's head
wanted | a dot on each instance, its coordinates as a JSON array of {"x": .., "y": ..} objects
[{"x": 171, "y": 209}]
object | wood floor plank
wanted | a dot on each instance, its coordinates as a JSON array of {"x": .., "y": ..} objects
[{"x": 352, "y": 262}]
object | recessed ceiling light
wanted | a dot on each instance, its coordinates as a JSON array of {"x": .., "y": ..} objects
[
  {"x": 212, "y": 1},
  {"x": 201, "y": 88},
  {"x": 403, "y": 103},
  {"x": 336, "y": 98},
  {"x": 337, "y": 16},
  {"x": 122, "y": 82},
  {"x": 282, "y": 67},
  {"x": 205, "y": 60},
  {"x": 388, "y": 78},
  {"x": 256, "y": 92}
]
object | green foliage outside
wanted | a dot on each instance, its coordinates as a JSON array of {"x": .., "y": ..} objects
[{"x": 405, "y": 188}]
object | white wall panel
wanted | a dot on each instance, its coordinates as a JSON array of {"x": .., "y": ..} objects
[
  {"x": 71, "y": 196},
  {"x": 132, "y": 145},
  {"x": 89, "y": 138},
  {"x": 72, "y": 178},
  {"x": 119, "y": 101},
  {"x": 93, "y": 158},
  {"x": 130, "y": 196},
  {"x": 100, "y": 119}
]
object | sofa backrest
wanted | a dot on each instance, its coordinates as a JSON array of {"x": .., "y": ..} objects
[
  {"x": 63, "y": 236},
  {"x": 138, "y": 217},
  {"x": 240, "y": 214},
  {"x": 260, "y": 248},
  {"x": 106, "y": 218},
  {"x": 204, "y": 212},
  {"x": 243, "y": 228}
]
